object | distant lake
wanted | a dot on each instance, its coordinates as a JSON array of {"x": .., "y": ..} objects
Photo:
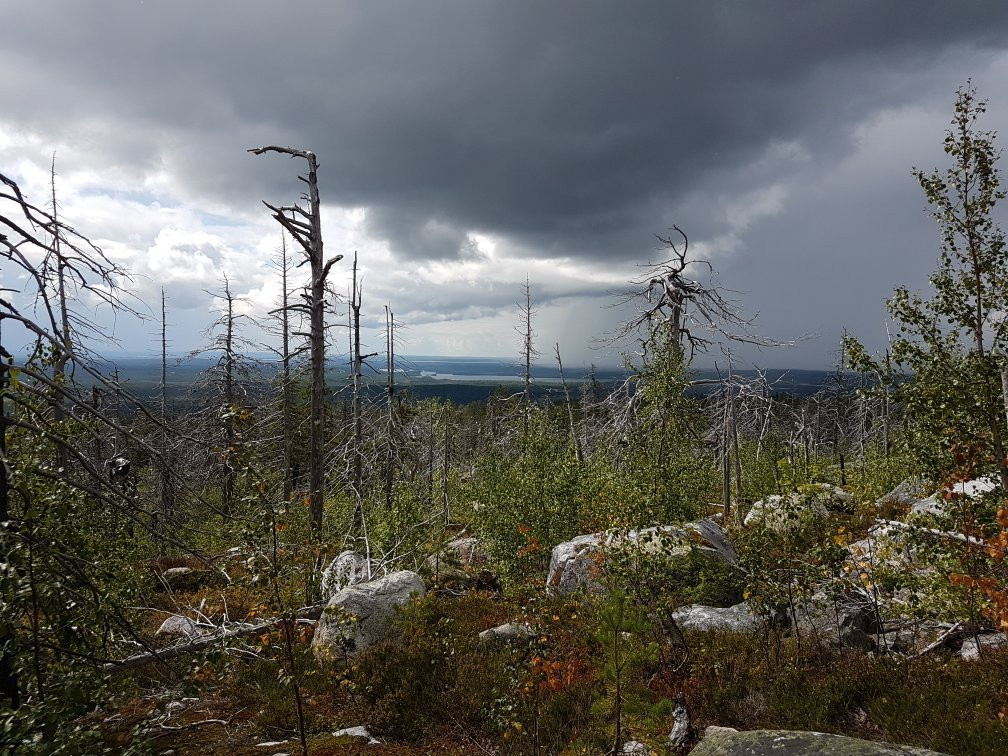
[{"x": 461, "y": 379}]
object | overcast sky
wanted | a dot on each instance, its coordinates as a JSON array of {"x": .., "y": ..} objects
[{"x": 464, "y": 145}]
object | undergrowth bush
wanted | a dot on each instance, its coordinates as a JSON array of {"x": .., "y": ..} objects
[{"x": 933, "y": 701}]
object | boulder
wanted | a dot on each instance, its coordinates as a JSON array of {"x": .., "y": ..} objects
[
  {"x": 358, "y": 615},
  {"x": 935, "y": 505},
  {"x": 508, "y": 632},
  {"x": 461, "y": 552},
  {"x": 725, "y": 741},
  {"x": 834, "y": 497},
  {"x": 636, "y": 748},
  {"x": 460, "y": 566},
  {"x": 884, "y": 546},
  {"x": 177, "y": 625},
  {"x": 357, "y": 732},
  {"x": 348, "y": 568},
  {"x": 973, "y": 647},
  {"x": 577, "y": 565},
  {"x": 782, "y": 513},
  {"x": 914, "y": 638},
  {"x": 699, "y": 618},
  {"x": 186, "y": 578},
  {"x": 848, "y": 621},
  {"x": 903, "y": 496}
]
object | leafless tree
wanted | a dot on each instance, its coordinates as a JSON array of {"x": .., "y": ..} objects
[
  {"x": 526, "y": 313},
  {"x": 231, "y": 376},
  {"x": 305, "y": 226},
  {"x": 570, "y": 408},
  {"x": 27, "y": 246},
  {"x": 698, "y": 314}
]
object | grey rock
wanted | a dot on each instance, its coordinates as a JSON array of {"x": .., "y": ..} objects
[
  {"x": 905, "y": 494},
  {"x": 912, "y": 638},
  {"x": 357, "y": 616},
  {"x": 782, "y": 513},
  {"x": 935, "y": 504},
  {"x": 506, "y": 632},
  {"x": 187, "y": 579},
  {"x": 461, "y": 552},
  {"x": 348, "y": 568},
  {"x": 738, "y": 619},
  {"x": 177, "y": 625},
  {"x": 847, "y": 621},
  {"x": 578, "y": 564},
  {"x": 724, "y": 741},
  {"x": 636, "y": 748},
  {"x": 357, "y": 732},
  {"x": 459, "y": 566},
  {"x": 973, "y": 647},
  {"x": 884, "y": 546}
]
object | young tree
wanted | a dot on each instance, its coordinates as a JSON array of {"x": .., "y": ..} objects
[{"x": 953, "y": 343}]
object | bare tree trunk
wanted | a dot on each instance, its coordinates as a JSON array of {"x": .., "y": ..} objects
[
  {"x": 358, "y": 423},
  {"x": 8, "y": 676},
  {"x": 288, "y": 400},
  {"x": 725, "y": 470},
  {"x": 1004, "y": 390},
  {"x": 444, "y": 468},
  {"x": 306, "y": 228},
  {"x": 229, "y": 401},
  {"x": 528, "y": 349},
  {"x": 59, "y": 369},
  {"x": 430, "y": 460},
  {"x": 61, "y": 357},
  {"x": 390, "y": 396},
  {"x": 735, "y": 454},
  {"x": 570, "y": 409},
  {"x": 390, "y": 352},
  {"x": 167, "y": 490}
]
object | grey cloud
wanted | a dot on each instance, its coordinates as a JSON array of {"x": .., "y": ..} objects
[{"x": 568, "y": 127}]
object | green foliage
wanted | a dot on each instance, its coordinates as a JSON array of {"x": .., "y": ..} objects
[
  {"x": 931, "y": 702},
  {"x": 527, "y": 500},
  {"x": 663, "y": 460},
  {"x": 621, "y": 627},
  {"x": 788, "y": 560},
  {"x": 432, "y": 671},
  {"x": 67, "y": 581},
  {"x": 950, "y": 346}
]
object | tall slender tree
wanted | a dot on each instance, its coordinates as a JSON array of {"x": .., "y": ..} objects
[{"x": 305, "y": 226}]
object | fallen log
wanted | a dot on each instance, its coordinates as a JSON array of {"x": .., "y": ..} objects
[
  {"x": 973, "y": 541},
  {"x": 310, "y": 613}
]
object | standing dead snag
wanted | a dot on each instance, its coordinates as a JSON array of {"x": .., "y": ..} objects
[
  {"x": 697, "y": 314},
  {"x": 306, "y": 228},
  {"x": 529, "y": 352}
]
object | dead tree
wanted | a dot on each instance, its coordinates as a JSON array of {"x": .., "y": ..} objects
[
  {"x": 9, "y": 689},
  {"x": 390, "y": 428},
  {"x": 306, "y": 228},
  {"x": 285, "y": 322},
  {"x": 697, "y": 314},
  {"x": 570, "y": 409},
  {"x": 59, "y": 365},
  {"x": 529, "y": 352},
  {"x": 231, "y": 376},
  {"x": 165, "y": 468},
  {"x": 288, "y": 433},
  {"x": 357, "y": 373},
  {"x": 33, "y": 548}
]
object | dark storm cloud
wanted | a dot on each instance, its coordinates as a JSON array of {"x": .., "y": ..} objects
[{"x": 571, "y": 128}]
